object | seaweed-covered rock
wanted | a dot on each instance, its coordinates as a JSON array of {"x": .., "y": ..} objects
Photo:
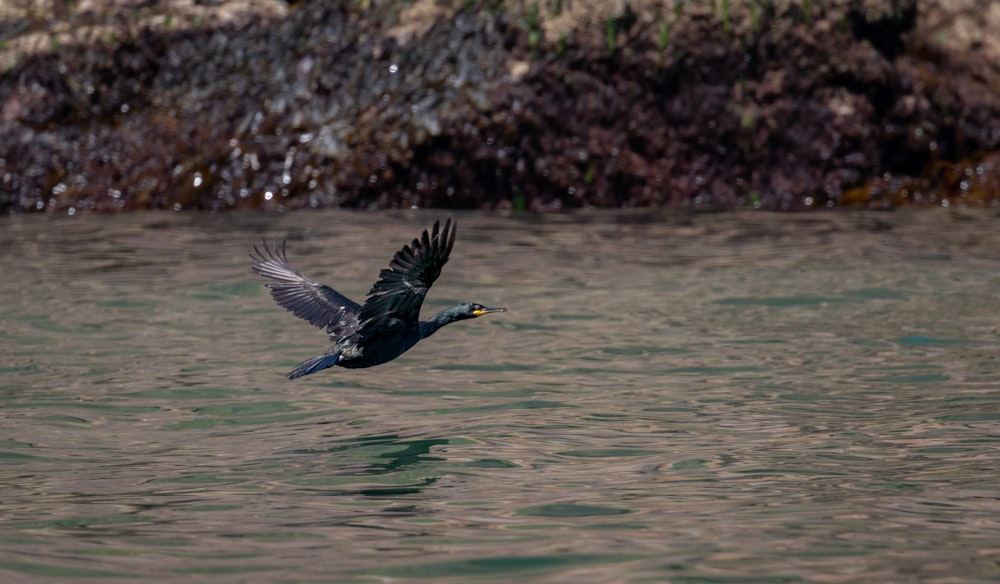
[{"x": 553, "y": 105}]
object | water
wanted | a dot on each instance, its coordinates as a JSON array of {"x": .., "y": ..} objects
[{"x": 733, "y": 397}]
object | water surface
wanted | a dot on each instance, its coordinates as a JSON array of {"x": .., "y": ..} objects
[{"x": 734, "y": 397}]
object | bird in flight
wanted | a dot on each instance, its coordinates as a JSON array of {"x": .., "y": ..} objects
[{"x": 388, "y": 323}]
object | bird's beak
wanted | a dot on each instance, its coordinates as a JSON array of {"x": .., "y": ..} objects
[{"x": 485, "y": 310}]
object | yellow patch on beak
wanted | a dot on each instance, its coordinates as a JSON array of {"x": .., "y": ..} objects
[{"x": 484, "y": 310}]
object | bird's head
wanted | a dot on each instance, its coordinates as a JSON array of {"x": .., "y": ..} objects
[
  {"x": 471, "y": 310},
  {"x": 454, "y": 314}
]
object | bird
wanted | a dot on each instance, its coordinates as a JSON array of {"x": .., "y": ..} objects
[{"x": 388, "y": 323}]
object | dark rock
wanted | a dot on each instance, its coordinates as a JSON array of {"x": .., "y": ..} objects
[{"x": 354, "y": 104}]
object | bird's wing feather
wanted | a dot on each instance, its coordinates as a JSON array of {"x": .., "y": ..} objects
[
  {"x": 401, "y": 288},
  {"x": 320, "y": 305}
]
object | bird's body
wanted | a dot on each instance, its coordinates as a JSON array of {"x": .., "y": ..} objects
[{"x": 388, "y": 323}]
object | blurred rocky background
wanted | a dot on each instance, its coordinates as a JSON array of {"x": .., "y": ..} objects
[{"x": 115, "y": 105}]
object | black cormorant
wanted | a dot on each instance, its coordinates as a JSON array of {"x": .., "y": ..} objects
[{"x": 388, "y": 323}]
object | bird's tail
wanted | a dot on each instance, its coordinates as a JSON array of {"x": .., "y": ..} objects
[{"x": 315, "y": 364}]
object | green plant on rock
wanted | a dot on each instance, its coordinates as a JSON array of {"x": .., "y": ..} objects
[
  {"x": 519, "y": 202},
  {"x": 663, "y": 35},
  {"x": 612, "y": 33},
  {"x": 532, "y": 24},
  {"x": 561, "y": 44}
]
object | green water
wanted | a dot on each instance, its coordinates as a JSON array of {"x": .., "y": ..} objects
[{"x": 735, "y": 397}]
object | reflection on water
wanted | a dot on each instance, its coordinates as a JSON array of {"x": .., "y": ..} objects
[{"x": 672, "y": 397}]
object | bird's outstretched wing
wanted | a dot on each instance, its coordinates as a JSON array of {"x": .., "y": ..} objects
[
  {"x": 320, "y": 305},
  {"x": 401, "y": 288}
]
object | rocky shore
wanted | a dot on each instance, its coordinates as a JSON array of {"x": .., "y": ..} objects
[{"x": 113, "y": 105}]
